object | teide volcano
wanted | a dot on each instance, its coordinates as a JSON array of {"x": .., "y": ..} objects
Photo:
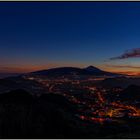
[{"x": 63, "y": 71}]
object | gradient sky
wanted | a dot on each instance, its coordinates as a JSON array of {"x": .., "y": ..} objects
[{"x": 38, "y": 35}]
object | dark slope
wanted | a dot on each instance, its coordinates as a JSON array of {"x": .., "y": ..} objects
[
  {"x": 16, "y": 96},
  {"x": 25, "y": 116},
  {"x": 131, "y": 93},
  {"x": 122, "y": 82}
]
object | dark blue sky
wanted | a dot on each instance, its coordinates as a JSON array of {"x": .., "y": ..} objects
[{"x": 48, "y": 34}]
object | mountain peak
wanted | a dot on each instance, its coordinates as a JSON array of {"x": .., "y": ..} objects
[{"x": 91, "y": 68}]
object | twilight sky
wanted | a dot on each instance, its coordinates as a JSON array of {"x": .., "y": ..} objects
[{"x": 40, "y": 35}]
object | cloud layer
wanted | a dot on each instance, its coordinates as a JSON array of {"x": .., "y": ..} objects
[{"x": 128, "y": 54}]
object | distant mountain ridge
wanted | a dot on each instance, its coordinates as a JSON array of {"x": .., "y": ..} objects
[{"x": 60, "y": 71}]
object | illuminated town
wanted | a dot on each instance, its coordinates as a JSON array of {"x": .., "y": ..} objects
[{"x": 91, "y": 100}]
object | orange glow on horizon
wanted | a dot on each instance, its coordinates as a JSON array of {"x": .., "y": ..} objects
[
  {"x": 126, "y": 71},
  {"x": 22, "y": 69},
  {"x": 31, "y": 68}
]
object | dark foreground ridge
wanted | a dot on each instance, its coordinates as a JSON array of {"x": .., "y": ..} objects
[{"x": 25, "y": 116}]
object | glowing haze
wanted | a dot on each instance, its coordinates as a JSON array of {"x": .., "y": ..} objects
[{"x": 41, "y": 35}]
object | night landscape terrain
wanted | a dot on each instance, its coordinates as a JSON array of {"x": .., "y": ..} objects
[
  {"x": 69, "y": 70},
  {"x": 70, "y": 102}
]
